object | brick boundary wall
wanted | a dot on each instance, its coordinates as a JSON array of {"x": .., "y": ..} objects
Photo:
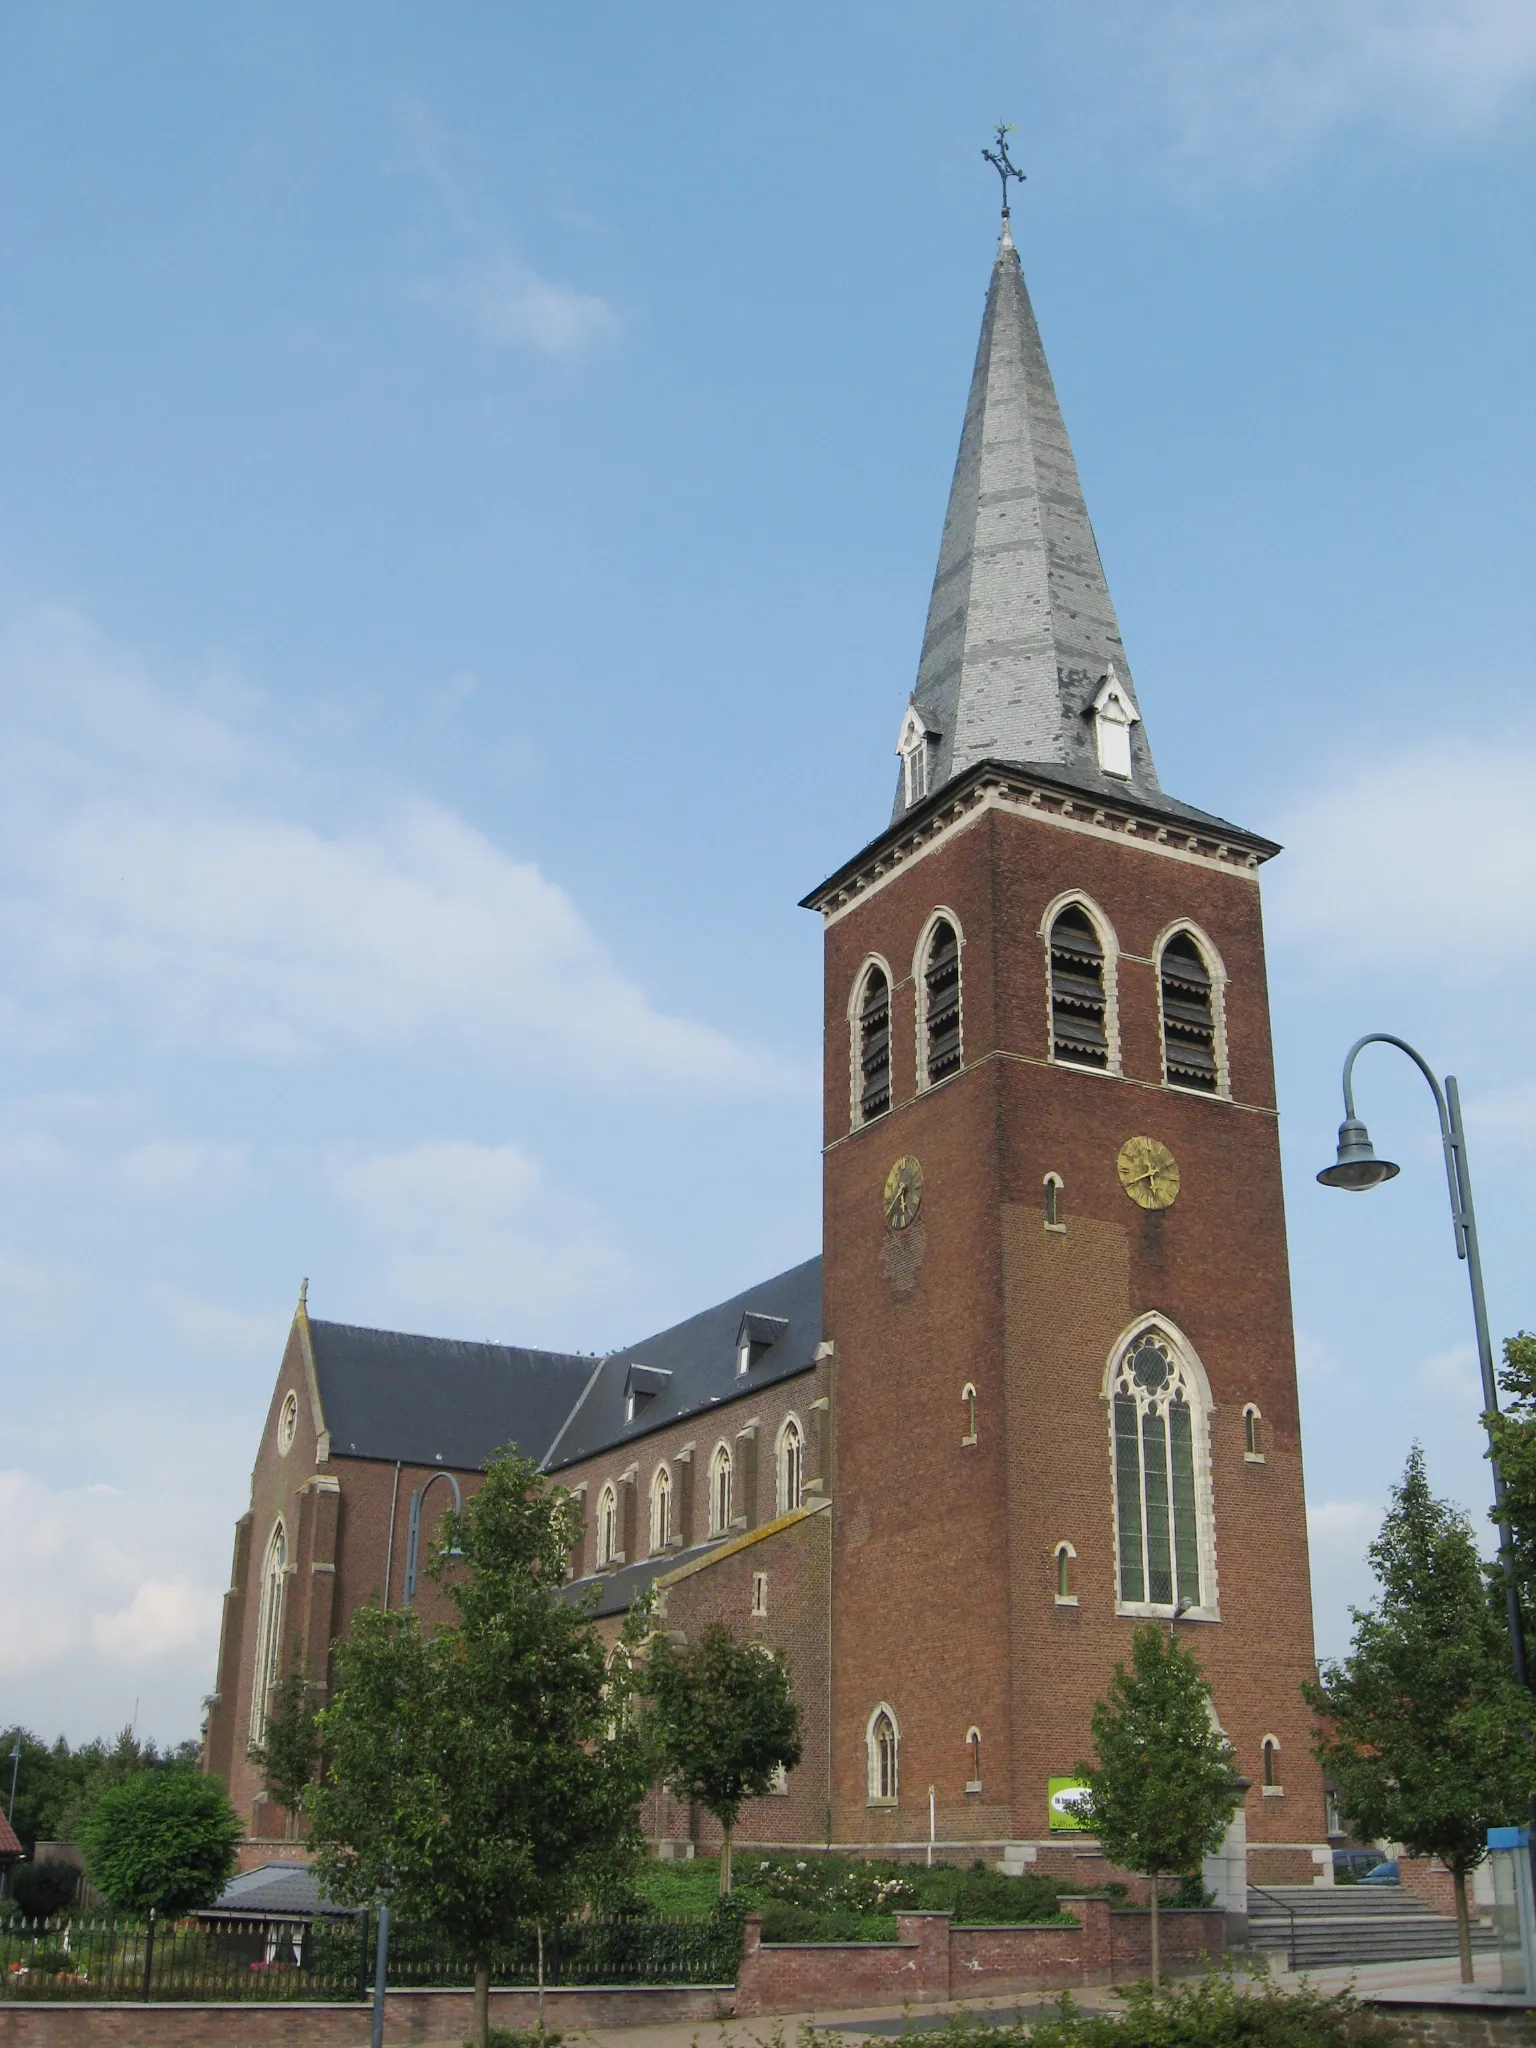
[
  {"x": 409, "y": 2016},
  {"x": 1456, "y": 2026},
  {"x": 1427, "y": 1879},
  {"x": 931, "y": 1961}
]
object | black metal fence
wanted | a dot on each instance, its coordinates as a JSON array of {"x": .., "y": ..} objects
[{"x": 79, "y": 1956}]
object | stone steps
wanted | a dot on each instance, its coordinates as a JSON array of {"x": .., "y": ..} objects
[{"x": 1351, "y": 1924}]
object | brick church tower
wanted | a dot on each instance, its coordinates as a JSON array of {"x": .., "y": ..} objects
[{"x": 1055, "y": 1275}]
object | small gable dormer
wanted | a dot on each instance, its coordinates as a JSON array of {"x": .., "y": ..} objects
[
  {"x": 756, "y": 1338},
  {"x": 916, "y": 745},
  {"x": 642, "y": 1384},
  {"x": 1113, "y": 716}
]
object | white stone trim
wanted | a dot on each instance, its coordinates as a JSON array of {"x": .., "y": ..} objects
[
  {"x": 1109, "y": 939},
  {"x": 855, "y": 1070},
  {"x": 942, "y": 914},
  {"x": 1216, "y": 967}
]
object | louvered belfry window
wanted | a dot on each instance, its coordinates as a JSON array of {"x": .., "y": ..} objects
[
  {"x": 1078, "y": 1032},
  {"x": 874, "y": 1047},
  {"x": 941, "y": 1002},
  {"x": 1189, "y": 1025}
]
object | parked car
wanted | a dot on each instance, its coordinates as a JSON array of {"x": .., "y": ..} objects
[
  {"x": 1384, "y": 1873},
  {"x": 1353, "y": 1866}
]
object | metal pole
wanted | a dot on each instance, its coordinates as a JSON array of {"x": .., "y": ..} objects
[
  {"x": 380, "y": 1973},
  {"x": 15, "y": 1767}
]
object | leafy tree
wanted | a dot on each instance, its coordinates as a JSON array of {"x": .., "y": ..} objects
[
  {"x": 488, "y": 1773},
  {"x": 290, "y": 1749},
  {"x": 1512, "y": 1437},
  {"x": 55, "y": 1785},
  {"x": 724, "y": 1720},
  {"x": 159, "y": 1844},
  {"x": 1161, "y": 1792},
  {"x": 1422, "y": 1726}
]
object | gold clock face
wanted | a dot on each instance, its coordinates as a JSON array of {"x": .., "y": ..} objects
[
  {"x": 903, "y": 1193},
  {"x": 1149, "y": 1173}
]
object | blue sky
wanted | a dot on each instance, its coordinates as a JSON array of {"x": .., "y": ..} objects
[{"x": 471, "y": 482}]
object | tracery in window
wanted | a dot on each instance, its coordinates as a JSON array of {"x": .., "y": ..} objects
[
  {"x": 269, "y": 1628},
  {"x": 1079, "y": 997},
  {"x": 661, "y": 1509},
  {"x": 791, "y": 1466},
  {"x": 1189, "y": 1017},
  {"x": 720, "y": 1491},
  {"x": 287, "y": 1423},
  {"x": 872, "y": 1047},
  {"x": 941, "y": 1003},
  {"x": 1161, "y": 1497},
  {"x": 883, "y": 1744},
  {"x": 607, "y": 1526}
]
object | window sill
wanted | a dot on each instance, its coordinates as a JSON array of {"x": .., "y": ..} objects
[
  {"x": 1060, "y": 1229},
  {"x": 886, "y": 1805},
  {"x": 967, "y": 1443},
  {"x": 1070, "y": 1600},
  {"x": 1144, "y": 1610},
  {"x": 1217, "y": 1094},
  {"x": 1253, "y": 1458},
  {"x": 973, "y": 1788},
  {"x": 1273, "y": 1791}
]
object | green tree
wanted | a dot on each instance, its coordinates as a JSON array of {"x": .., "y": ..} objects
[
  {"x": 290, "y": 1747},
  {"x": 1422, "y": 1726},
  {"x": 56, "y": 1786},
  {"x": 724, "y": 1721},
  {"x": 160, "y": 1843},
  {"x": 1161, "y": 1791},
  {"x": 488, "y": 1773},
  {"x": 1512, "y": 1439}
]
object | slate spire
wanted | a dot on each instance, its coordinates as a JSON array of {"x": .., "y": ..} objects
[{"x": 1022, "y": 659}]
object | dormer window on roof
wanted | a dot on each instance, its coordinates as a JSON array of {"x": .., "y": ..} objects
[
  {"x": 642, "y": 1383},
  {"x": 915, "y": 746},
  {"x": 756, "y": 1338},
  {"x": 1113, "y": 716}
]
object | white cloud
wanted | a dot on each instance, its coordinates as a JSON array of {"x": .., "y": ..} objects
[
  {"x": 1342, "y": 1527},
  {"x": 1378, "y": 861},
  {"x": 1258, "y": 81},
  {"x": 1339, "y": 1532},
  {"x": 469, "y": 1230},
  {"x": 1454, "y": 1375},
  {"x": 501, "y": 301},
  {"x": 174, "y": 889},
  {"x": 87, "y": 1570}
]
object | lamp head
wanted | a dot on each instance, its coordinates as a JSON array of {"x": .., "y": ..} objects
[{"x": 1357, "y": 1166}]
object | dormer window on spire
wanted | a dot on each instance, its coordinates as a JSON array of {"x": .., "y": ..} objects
[
  {"x": 915, "y": 746},
  {"x": 1113, "y": 716}
]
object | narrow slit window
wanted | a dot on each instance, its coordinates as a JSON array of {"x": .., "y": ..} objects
[
  {"x": 1157, "y": 1509},
  {"x": 941, "y": 1003},
  {"x": 1271, "y": 1763},
  {"x": 968, "y": 1396},
  {"x": 1189, "y": 1024},
  {"x": 1064, "y": 1572},
  {"x": 1054, "y": 1219},
  {"x": 1251, "y": 1420},
  {"x": 1078, "y": 1003},
  {"x": 874, "y": 1047},
  {"x": 973, "y": 1758},
  {"x": 661, "y": 1509},
  {"x": 791, "y": 1467},
  {"x": 759, "y": 1592},
  {"x": 607, "y": 1525}
]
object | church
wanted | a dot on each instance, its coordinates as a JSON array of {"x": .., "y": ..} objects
[{"x": 1040, "y": 1384}]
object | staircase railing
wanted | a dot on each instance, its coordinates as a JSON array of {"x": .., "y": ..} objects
[{"x": 1290, "y": 1912}]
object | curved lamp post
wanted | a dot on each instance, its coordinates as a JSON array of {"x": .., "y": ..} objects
[
  {"x": 413, "y": 1530},
  {"x": 1358, "y": 1168}
]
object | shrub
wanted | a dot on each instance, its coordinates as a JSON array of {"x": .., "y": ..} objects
[
  {"x": 41, "y": 1889},
  {"x": 514, "y": 2037}
]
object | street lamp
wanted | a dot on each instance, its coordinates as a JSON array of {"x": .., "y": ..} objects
[
  {"x": 1358, "y": 1168},
  {"x": 15, "y": 1767},
  {"x": 413, "y": 1530}
]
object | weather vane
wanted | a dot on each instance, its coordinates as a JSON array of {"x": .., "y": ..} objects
[{"x": 1001, "y": 162}]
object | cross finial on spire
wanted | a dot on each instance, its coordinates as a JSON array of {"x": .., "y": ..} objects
[{"x": 1002, "y": 163}]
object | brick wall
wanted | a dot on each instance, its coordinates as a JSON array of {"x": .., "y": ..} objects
[
  {"x": 409, "y": 2016},
  {"x": 1428, "y": 1880}
]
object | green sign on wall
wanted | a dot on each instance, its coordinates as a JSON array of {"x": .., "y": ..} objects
[{"x": 1065, "y": 1796}]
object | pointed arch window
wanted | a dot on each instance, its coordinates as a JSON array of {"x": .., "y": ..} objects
[
  {"x": 1189, "y": 1016},
  {"x": 720, "y": 1491},
  {"x": 1162, "y": 1497},
  {"x": 661, "y": 1509},
  {"x": 973, "y": 1759},
  {"x": 884, "y": 1745},
  {"x": 1065, "y": 1554},
  {"x": 607, "y": 1526},
  {"x": 1079, "y": 999},
  {"x": 791, "y": 1467},
  {"x": 269, "y": 1628},
  {"x": 941, "y": 1003},
  {"x": 968, "y": 1400},
  {"x": 1054, "y": 1218},
  {"x": 872, "y": 1047}
]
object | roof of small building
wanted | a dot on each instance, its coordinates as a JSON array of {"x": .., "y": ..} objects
[
  {"x": 702, "y": 1360},
  {"x": 438, "y": 1400},
  {"x": 277, "y": 1889},
  {"x": 9, "y": 1844}
]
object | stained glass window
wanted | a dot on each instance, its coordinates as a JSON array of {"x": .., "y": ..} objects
[{"x": 1157, "y": 1510}]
